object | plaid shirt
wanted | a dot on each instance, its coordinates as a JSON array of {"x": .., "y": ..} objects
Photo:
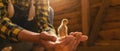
[{"x": 9, "y": 30}]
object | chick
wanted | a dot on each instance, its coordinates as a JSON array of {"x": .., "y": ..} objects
[{"x": 63, "y": 29}]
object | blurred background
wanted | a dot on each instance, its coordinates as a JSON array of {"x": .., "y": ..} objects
[{"x": 99, "y": 19}]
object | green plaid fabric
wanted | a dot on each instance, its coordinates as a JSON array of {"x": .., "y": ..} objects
[{"x": 10, "y": 31}]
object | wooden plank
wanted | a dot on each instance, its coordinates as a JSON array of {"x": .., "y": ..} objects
[
  {"x": 115, "y": 2},
  {"x": 97, "y": 23},
  {"x": 108, "y": 43},
  {"x": 85, "y": 17},
  {"x": 64, "y": 6},
  {"x": 110, "y": 34},
  {"x": 96, "y": 5},
  {"x": 100, "y": 48},
  {"x": 110, "y": 25}
]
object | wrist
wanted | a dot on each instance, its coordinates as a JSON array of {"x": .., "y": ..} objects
[{"x": 28, "y": 36}]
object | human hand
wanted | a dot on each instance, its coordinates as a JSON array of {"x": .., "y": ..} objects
[
  {"x": 43, "y": 36},
  {"x": 46, "y": 36},
  {"x": 69, "y": 43},
  {"x": 79, "y": 38}
]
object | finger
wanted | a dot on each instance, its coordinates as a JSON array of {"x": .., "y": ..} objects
[
  {"x": 46, "y": 36},
  {"x": 78, "y": 39},
  {"x": 71, "y": 32},
  {"x": 79, "y": 36},
  {"x": 72, "y": 42},
  {"x": 47, "y": 44},
  {"x": 67, "y": 43},
  {"x": 75, "y": 44},
  {"x": 66, "y": 40},
  {"x": 84, "y": 38},
  {"x": 76, "y": 33}
]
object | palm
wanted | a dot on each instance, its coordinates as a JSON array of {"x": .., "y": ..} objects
[
  {"x": 68, "y": 43},
  {"x": 64, "y": 44}
]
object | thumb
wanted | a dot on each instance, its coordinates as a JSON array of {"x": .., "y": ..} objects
[{"x": 46, "y": 36}]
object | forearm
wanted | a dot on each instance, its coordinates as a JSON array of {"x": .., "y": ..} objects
[
  {"x": 16, "y": 33},
  {"x": 29, "y": 36}
]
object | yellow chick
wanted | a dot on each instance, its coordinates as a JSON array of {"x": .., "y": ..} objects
[{"x": 63, "y": 29}]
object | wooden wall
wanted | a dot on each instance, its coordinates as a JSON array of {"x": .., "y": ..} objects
[
  {"x": 69, "y": 9},
  {"x": 111, "y": 24},
  {"x": 115, "y": 2},
  {"x": 72, "y": 11}
]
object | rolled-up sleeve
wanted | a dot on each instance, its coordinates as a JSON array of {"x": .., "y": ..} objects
[{"x": 8, "y": 30}]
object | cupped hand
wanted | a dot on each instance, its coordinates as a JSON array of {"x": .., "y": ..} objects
[{"x": 68, "y": 43}]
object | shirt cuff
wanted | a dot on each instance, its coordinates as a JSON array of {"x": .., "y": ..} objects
[{"x": 9, "y": 30}]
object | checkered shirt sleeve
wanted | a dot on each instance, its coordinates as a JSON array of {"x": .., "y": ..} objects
[
  {"x": 8, "y": 30},
  {"x": 42, "y": 14}
]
